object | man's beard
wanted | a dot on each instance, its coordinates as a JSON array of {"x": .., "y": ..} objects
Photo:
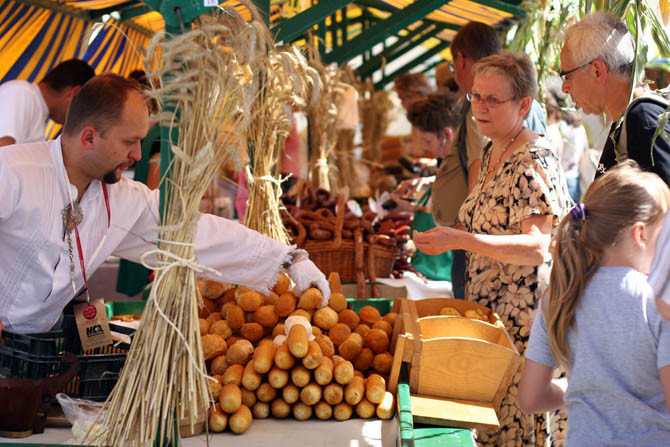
[{"x": 111, "y": 177}]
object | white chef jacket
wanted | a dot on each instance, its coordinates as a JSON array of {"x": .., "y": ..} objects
[
  {"x": 23, "y": 113},
  {"x": 35, "y": 280}
]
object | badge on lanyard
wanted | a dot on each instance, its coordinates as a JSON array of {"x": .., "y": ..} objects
[
  {"x": 92, "y": 324},
  {"x": 91, "y": 317}
]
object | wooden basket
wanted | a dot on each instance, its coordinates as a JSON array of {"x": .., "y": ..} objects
[{"x": 342, "y": 259}]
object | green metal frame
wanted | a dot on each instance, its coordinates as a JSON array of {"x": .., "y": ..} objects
[
  {"x": 389, "y": 26},
  {"x": 291, "y": 29},
  {"x": 402, "y": 41},
  {"x": 412, "y": 64},
  {"x": 511, "y": 6},
  {"x": 409, "y": 45}
]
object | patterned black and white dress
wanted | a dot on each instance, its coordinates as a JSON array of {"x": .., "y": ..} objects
[{"x": 530, "y": 182}]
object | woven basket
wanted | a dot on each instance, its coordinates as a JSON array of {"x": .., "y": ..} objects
[{"x": 342, "y": 259}]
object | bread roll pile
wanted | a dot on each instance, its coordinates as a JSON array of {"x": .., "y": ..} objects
[{"x": 280, "y": 356}]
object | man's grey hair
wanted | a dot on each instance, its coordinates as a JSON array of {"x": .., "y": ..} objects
[{"x": 601, "y": 35}]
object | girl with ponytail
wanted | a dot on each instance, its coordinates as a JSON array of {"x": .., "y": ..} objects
[{"x": 599, "y": 321}]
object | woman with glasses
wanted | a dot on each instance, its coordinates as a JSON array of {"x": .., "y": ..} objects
[{"x": 507, "y": 220}]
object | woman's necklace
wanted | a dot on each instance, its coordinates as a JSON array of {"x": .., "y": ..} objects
[{"x": 492, "y": 167}]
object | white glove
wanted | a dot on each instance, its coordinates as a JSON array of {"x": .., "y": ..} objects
[{"x": 306, "y": 274}]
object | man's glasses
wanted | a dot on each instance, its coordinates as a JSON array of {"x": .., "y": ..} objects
[
  {"x": 564, "y": 74},
  {"x": 489, "y": 101}
]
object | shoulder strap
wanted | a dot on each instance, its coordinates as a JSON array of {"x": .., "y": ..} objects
[
  {"x": 424, "y": 198},
  {"x": 461, "y": 143}
]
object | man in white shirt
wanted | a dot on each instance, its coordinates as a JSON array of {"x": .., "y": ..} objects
[
  {"x": 106, "y": 121},
  {"x": 26, "y": 106}
]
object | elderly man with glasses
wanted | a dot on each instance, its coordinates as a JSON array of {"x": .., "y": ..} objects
[{"x": 597, "y": 76}]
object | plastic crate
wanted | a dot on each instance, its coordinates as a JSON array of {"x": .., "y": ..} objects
[{"x": 37, "y": 356}]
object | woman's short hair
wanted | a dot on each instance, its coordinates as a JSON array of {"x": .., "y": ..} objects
[
  {"x": 601, "y": 35},
  {"x": 516, "y": 67},
  {"x": 435, "y": 112}
]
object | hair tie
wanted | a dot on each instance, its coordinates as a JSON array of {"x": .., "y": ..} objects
[{"x": 579, "y": 212}]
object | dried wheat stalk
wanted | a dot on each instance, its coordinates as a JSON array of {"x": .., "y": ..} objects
[
  {"x": 208, "y": 84},
  {"x": 287, "y": 82}
]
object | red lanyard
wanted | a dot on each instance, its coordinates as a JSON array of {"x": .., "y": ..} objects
[{"x": 76, "y": 232}]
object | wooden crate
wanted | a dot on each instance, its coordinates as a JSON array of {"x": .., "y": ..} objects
[{"x": 460, "y": 368}]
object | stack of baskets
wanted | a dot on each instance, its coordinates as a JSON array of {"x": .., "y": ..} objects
[{"x": 37, "y": 356}]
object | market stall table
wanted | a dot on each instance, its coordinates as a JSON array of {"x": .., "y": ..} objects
[{"x": 269, "y": 432}]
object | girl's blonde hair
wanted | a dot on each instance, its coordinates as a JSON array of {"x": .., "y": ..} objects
[{"x": 622, "y": 197}]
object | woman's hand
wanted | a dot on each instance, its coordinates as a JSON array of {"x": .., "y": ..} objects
[
  {"x": 439, "y": 240},
  {"x": 403, "y": 205}
]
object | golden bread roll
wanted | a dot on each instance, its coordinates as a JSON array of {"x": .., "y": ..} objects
[
  {"x": 377, "y": 340},
  {"x": 251, "y": 380},
  {"x": 354, "y": 391},
  {"x": 382, "y": 363},
  {"x": 219, "y": 365},
  {"x": 300, "y": 376},
  {"x": 362, "y": 329},
  {"x": 211, "y": 289},
  {"x": 283, "y": 357},
  {"x": 204, "y": 326},
  {"x": 266, "y": 316},
  {"x": 297, "y": 341},
  {"x": 349, "y": 317},
  {"x": 301, "y": 411},
  {"x": 337, "y": 302},
  {"x": 339, "y": 333},
  {"x": 343, "y": 372},
  {"x": 342, "y": 411},
  {"x": 369, "y": 315},
  {"x": 233, "y": 375},
  {"x": 311, "y": 394},
  {"x": 278, "y": 377},
  {"x": 261, "y": 410},
  {"x": 278, "y": 330},
  {"x": 221, "y": 328},
  {"x": 282, "y": 285},
  {"x": 384, "y": 326},
  {"x": 252, "y": 332},
  {"x": 248, "y": 397},
  {"x": 334, "y": 282},
  {"x": 265, "y": 392},
  {"x": 250, "y": 301},
  {"x": 290, "y": 393},
  {"x": 323, "y": 411},
  {"x": 326, "y": 345},
  {"x": 214, "y": 317},
  {"x": 264, "y": 356},
  {"x": 351, "y": 347},
  {"x": 323, "y": 374},
  {"x": 364, "y": 360},
  {"x": 235, "y": 316},
  {"x": 311, "y": 298},
  {"x": 390, "y": 318},
  {"x": 230, "y": 398},
  {"x": 213, "y": 346},
  {"x": 240, "y": 421},
  {"x": 333, "y": 393},
  {"x": 301, "y": 313},
  {"x": 280, "y": 408},
  {"x": 214, "y": 388},
  {"x": 325, "y": 318},
  {"x": 285, "y": 304},
  {"x": 365, "y": 409},
  {"x": 314, "y": 355},
  {"x": 240, "y": 352}
]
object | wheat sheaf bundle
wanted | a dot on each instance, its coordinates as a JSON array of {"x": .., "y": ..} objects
[
  {"x": 322, "y": 117},
  {"x": 287, "y": 82},
  {"x": 206, "y": 94}
]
